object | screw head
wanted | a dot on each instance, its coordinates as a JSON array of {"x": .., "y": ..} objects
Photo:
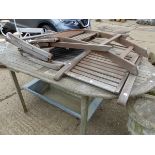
[
  {"x": 125, "y": 94},
  {"x": 91, "y": 81}
]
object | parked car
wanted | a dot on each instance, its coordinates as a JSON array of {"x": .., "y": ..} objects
[{"x": 48, "y": 24}]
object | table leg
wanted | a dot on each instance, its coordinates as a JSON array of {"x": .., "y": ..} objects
[
  {"x": 18, "y": 90},
  {"x": 84, "y": 114}
]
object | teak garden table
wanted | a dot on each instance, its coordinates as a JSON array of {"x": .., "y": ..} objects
[{"x": 90, "y": 96}]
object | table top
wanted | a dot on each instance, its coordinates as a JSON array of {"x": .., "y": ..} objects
[{"x": 11, "y": 58}]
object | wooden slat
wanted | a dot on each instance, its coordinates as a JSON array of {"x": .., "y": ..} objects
[
  {"x": 42, "y": 40},
  {"x": 64, "y": 39},
  {"x": 76, "y": 45},
  {"x": 102, "y": 67},
  {"x": 104, "y": 64},
  {"x": 53, "y": 66},
  {"x": 98, "y": 59},
  {"x": 128, "y": 57},
  {"x": 99, "y": 56},
  {"x": 124, "y": 95},
  {"x": 121, "y": 84},
  {"x": 70, "y": 33},
  {"x": 122, "y": 62},
  {"x": 100, "y": 71},
  {"x": 88, "y": 37},
  {"x": 90, "y": 81},
  {"x": 98, "y": 40},
  {"x": 94, "y": 77},
  {"x": 104, "y": 76},
  {"x": 134, "y": 58},
  {"x": 27, "y": 50},
  {"x": 131, "y": 57},
  {"x": 102, "y": 34},
  {"x": 70, "y": 65},
  {"x": 131, "y": 67},
  {"x": 126, "y": 90},
  {"x": 85, "y": 36},
  {"x": 112, "y": 39},
  {"x": 55, "y": 39}
]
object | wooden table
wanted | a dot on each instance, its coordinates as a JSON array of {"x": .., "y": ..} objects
[{"x": 12, "y": 59}]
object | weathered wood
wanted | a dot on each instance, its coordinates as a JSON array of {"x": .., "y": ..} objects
[
  {"x": 100, "y": 70},
  {"x": 104, "y": 76},
  {"x": 31, "y": 30},
  {"x": 69, "y": 83},
  {"x": 92, "y": 82},
  {"x": 135, "y": 58},
  {"x": 101, "y": 60},
  {"x": 101, "y": 67},
  {"x": 35, "y": 51},
  {"x": 122, "y": 40},
  {"x": 29, "y": 51},
  {"x": 124, "y": 95},
  {"x": 101, "y": 34},
  {"x": 84, "y": 114},
  {"x": 103, "y": 63},
  {"x": 70, "y": 33},
  {"x": 121, "y": 84},
  {"x": 137, "y": 49},
  {"x": 103, "y": 48},
  {"x": 85, "y": 36},
  {"x": 126, "y": 52},
  {"x": 18, "y": 90},
  {"x": 54, "y": 39},
  {"x": 64, "y": 39},
  {"x": 26, "y": 45},
  {"x": 107, "y": 81},
  {"x": 112, "y": 39},
  {"x": 54, "y": 66},
  {"x": 117, "y": 59},
  {"x": 122, "y": 62},
  {"x": 70, "y": 65},
  {"x": 111, "y": 66},
  {"x": 44, "y": 40}
]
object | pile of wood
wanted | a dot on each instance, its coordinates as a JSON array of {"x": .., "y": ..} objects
[{"x": 108, "y": 61}]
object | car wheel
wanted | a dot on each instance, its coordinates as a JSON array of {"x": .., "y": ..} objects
[{"x": 47, "y": 27}]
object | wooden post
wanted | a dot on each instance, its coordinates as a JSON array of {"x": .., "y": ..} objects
[
  {"x": 18, "y": 90},
  {"x": 84, "y": 114}
]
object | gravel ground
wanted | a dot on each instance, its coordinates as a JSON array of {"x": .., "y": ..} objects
[{"x": 43, "y": 118}]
